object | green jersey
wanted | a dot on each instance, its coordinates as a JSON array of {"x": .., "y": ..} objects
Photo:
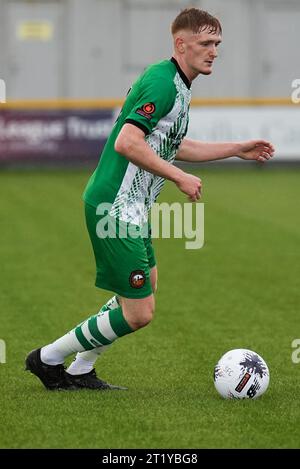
[{"x": 158, "y": 103}]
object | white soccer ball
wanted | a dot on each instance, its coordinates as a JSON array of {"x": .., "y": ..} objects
[{"x": 241, "y": 374}]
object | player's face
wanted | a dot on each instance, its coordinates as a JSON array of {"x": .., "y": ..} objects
[{"x": 200, "y": 51}]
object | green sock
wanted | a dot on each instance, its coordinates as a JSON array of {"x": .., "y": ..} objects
[{"x": 102, "y": 328}]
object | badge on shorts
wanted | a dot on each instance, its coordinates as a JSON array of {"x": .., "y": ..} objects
[
  {"x": 137, "y": 279},
  {"x": 146, "y": 110}
]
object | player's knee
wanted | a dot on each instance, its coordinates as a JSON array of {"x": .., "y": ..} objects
[
  {"x": 138, "y": 313},
  {"x": 144, "y": 317}
]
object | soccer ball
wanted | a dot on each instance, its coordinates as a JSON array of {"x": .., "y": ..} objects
[{"x": 241, "y": 374}]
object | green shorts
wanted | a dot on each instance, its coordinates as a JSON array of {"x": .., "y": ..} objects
[{"x": 123, "y": 264}]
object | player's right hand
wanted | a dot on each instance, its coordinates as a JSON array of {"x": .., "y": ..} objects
[{"x": 191, "y": 186}]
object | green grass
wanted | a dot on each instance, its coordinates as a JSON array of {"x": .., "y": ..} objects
[{"x": 240, "y": 290}]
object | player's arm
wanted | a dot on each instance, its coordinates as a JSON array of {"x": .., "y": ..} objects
[
  {"x": 197, "y": 151},
  {"x": 131, "y": 144}
]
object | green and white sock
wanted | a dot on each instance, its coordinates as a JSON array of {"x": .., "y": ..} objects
[
  {"x": 84, "y": 361},
  {"x": 98, "y": 330}
]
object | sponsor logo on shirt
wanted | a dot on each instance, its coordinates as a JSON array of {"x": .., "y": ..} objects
[{"x": 146, "y": 110}]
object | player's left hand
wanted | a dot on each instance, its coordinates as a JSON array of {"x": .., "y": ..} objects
[{"x": 259, "y": 150}]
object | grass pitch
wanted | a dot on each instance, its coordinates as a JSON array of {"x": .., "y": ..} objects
[{"x": 241, "y": 290}]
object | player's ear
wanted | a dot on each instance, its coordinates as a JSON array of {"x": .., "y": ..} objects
[{"x": 179, "y": 44}]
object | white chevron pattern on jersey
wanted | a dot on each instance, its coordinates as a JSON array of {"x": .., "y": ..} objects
[{"x": 139, "y": 188}]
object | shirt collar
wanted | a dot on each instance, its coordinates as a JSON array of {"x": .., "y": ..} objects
[{"x": 181, "y": 73}]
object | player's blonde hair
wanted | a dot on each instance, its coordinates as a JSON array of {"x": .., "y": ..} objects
[{"x": 196, "y": 20}]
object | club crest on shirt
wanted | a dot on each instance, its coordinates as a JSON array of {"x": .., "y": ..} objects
[
  {"x": 137, "y": 279},
  {"x": 146, "y": 110}
]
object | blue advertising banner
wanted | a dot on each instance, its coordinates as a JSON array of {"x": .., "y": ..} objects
[{"x": 45, "y": 135}]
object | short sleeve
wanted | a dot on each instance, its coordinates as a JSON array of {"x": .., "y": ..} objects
[{"x": 155, "y": 99}]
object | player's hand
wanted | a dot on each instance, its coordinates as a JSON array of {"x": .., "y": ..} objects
[
  {"x": 191, "y": 186},
  {"x": 259, "y": 150}
]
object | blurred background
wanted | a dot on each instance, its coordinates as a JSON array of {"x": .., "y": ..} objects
[{"x": 67, "y": 65}]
